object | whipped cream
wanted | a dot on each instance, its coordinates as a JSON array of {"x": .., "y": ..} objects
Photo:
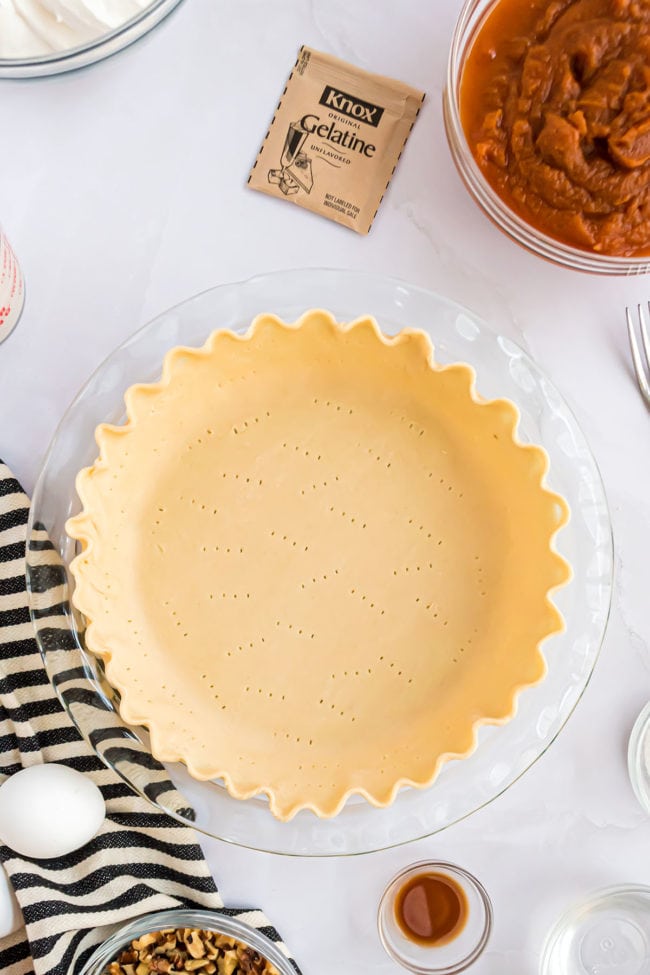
[{"x": 30, "y": 28}]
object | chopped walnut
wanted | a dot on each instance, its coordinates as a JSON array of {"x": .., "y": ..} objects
[
  {"x": 194, "y": 944},
  {"x": 145, "y": 941},
  {"x": 181, "y": 950}
]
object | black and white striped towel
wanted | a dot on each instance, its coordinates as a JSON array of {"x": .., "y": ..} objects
[{"x": 140, "y": 861}]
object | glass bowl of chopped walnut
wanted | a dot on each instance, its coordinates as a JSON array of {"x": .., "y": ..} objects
[{"x": 188, "y": 941}]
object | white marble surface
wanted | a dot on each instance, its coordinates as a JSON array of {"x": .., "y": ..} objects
[{"x": 122, "y": 189}]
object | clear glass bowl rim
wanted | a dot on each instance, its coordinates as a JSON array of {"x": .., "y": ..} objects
[
  {"x": 185, "y": 918},
  {"x": 58, "y": 62},
  {"x": 471, "y": 16},
  {"x": 464, "y": 875},
  {"x": 573, "y": 912},
  {"x": 635, "y": 759}
]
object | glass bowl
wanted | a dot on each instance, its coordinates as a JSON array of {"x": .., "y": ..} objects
[
  {"x": 638, "y": 758},
  {"x": 608, "y": 933},
  {"x": 472, "y": 17},
  {"x": 186, "y": 918},
  {"x": 458, "y": 954},
  {"x": 100, "y": 47},
  {"x": 503, "y": 753}
]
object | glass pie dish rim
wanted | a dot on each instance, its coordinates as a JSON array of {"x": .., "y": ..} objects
[{"x": 400, "y": 292}]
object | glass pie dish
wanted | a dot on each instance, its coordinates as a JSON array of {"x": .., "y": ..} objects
[
  {"x": 57, "y": 62},
  {"x": 503, "y": 753}
]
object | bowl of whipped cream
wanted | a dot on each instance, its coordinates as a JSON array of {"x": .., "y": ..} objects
[{"x": 41, "y": 37}]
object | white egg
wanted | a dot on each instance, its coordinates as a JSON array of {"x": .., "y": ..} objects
[
  {"x": 49, "y": 811},
  {"x": 11, "y": 917}
]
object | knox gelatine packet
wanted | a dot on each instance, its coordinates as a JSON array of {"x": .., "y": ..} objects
[{"x": 335, "y": 139}]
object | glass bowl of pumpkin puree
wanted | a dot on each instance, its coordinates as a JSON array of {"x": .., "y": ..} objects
[{"x": 547, "y": 113}]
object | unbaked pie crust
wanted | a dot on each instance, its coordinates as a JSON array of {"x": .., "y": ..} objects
[{"x": 315, "y": 562}]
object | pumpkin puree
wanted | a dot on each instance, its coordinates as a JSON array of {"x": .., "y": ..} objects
[{"x": 555, "y": 104}]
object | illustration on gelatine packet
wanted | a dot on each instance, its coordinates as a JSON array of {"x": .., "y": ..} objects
[{"x": 295, "y": 172}]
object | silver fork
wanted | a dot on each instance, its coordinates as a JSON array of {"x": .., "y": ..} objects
[{"x": 641, "y": 361}]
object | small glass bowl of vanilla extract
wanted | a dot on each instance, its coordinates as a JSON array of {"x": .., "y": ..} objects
[{"x": 435, "y": 918}]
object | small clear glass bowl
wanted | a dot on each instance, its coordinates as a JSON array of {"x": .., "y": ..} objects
[
  {"x": 609, "y": 933},
  {"x": 638, "y": 758},
  {"x": 94, "y": 50},
  {"x": 471, "y": 19},
  {"x": 185, "y": 918},
  {"x": 446, "y": 959}
]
